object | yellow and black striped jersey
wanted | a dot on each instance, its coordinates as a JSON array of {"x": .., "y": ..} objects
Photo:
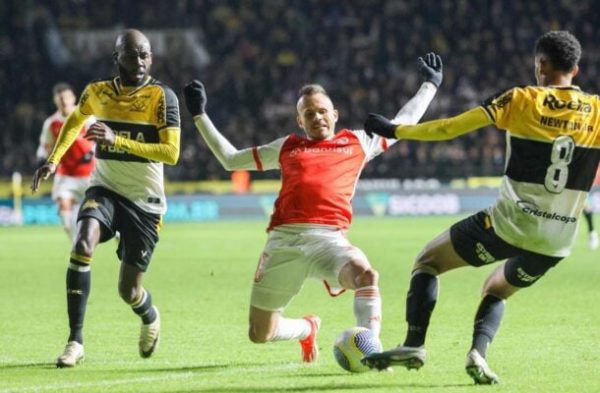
[
  {"x": 553, "y": 150},
  {"x": 138, "y": 113}
]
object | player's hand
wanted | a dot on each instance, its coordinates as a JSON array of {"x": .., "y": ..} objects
[
  {"x": 42, "y": 173},
  {"x": 100, "y": 133},
  {"x": 380, "y": 125},
  {"x": 195, "y": 97},
  {"x": 431, "y": 68}
]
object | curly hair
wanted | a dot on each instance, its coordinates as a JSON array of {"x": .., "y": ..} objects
[{"x": 561, "y": 48}]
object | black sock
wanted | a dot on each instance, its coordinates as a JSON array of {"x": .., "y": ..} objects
[
  {"x": 143, "y": 308},
  {"x": 589, "y": 219},
  {"x": 78, "y": 290},
  {"x": 487, "y": 320},
  {"x": 420, "y": 302}
]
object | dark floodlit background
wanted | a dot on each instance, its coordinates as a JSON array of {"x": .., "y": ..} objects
[{"x": 254, "y": 56}]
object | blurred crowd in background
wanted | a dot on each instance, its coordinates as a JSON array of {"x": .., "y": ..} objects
[{"x": 253, "y": 57}]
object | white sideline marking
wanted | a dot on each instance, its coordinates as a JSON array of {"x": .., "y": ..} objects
[{"x": 174, "y": 376}]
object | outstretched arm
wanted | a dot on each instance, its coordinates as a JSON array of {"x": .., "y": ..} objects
[
  {"x": 229, "y": 156},
  {"x": 435, "y": 130},
  {"x": 431, "y": 68}
]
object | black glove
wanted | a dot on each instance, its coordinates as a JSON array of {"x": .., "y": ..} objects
[
  {"x": 195, "y": 97},
  {"x": 377, "y": 124},
  {"x": 431, "y": 68}
]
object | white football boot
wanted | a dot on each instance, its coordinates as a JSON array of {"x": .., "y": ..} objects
[
  {"x": 478, "y": 369},
  {"x": 72, "y": 355},
  {"x": 150, "y": 336}
]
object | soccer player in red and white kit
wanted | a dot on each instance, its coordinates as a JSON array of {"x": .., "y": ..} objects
[
  {"x": 73, "y": 174},
  {"x": 307, "y": 231}
]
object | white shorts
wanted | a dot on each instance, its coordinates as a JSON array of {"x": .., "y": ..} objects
[
  {"x": 69, "y": 187},
  {"x": 291, "y": 255}
]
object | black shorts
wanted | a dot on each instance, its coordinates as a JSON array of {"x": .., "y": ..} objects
[
  {"x": 138, "y": 229},
  {"x": 475, "y": 240}
]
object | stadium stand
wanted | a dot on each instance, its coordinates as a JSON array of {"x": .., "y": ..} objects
[{"x": 255, "y": 55}]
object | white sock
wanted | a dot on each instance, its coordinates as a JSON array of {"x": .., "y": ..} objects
[
  {"x": 74, "y": 214},
  {"x": 367, "y": 308},
  {"x": 291, "y": 329},
  {"x": 67, "y": 222}
]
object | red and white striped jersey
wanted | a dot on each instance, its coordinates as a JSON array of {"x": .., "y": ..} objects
[
  {"x": 79, "y": 160},
  {"x": 319, "y": 177}
]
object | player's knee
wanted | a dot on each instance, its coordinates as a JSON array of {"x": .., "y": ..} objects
[
  {"x": 83, "y": 246},
  {"x": 497, "y": 285},
  {"x": 367, "y": 277},
  {"x": 128, "y": 293}
]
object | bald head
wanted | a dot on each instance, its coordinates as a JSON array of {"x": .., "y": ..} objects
[
  {"x": 133, "y": 56},
  {"x": 131, "y": 37}
]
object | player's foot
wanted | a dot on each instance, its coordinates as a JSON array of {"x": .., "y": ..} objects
[
  {"x": 409, "y": 357},
  {"x": 593, "y": 240},
  {"x": 310, "y": 348},
  {"x": 479, "y": 370},
  {"x": 72, "y": 355},
  {"x": 150, "y": 336}
]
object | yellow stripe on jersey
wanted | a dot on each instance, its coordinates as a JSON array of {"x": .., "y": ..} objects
[
  {"x": 545, "y": 113},
  {"x": 166, "y": 151}
]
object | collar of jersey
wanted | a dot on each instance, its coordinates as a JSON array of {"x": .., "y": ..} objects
[
  {"x": 129, "y": 90},
  {"x": 572, "y": 87}
]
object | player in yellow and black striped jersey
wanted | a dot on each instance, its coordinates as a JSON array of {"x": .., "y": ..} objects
[
  {"x": 553, "y": 150},
  {"x": 136, "y": 131}
]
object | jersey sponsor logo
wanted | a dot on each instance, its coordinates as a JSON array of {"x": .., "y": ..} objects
[
  {"x": 90, "y": 204},
  {"x": 348, "y": 150},
  {"x": 532, "y": 209},
  {"x": 554, "y": 103},
  {"x": 523, "y": 276},
  {"x": 483, "y": 254}
]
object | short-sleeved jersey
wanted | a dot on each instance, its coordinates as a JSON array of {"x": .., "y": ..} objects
[
  {"x": 79, "y": 160},
  {"x": 318, "y": 176},
  {"x": 553, "y": 150},
  {"x": 137, "y": 113}
]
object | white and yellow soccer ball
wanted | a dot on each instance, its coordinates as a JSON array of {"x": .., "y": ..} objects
[{"x": 352, "y": 345}]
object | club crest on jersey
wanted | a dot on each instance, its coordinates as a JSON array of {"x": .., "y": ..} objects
[{"x": 137, "y": 106}]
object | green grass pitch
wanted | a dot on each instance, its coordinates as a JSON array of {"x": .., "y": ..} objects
[{"x": 200, "y": 279}]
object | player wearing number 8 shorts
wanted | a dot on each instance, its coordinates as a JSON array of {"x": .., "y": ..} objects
[{"x": 553, "y": 149}]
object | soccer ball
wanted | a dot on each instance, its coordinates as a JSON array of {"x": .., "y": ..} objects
[{"x": 352, "y": 345}]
